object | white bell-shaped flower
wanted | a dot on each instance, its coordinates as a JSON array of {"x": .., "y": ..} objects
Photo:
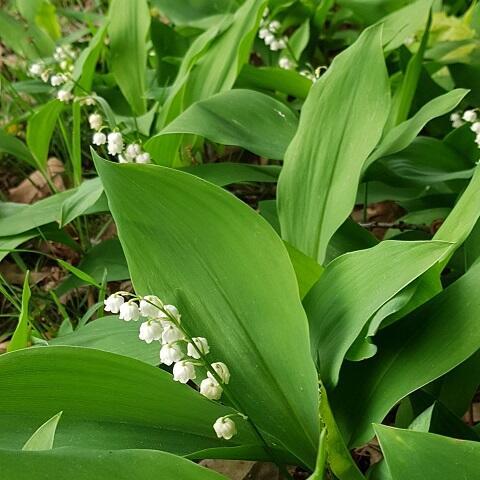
[
  {"x": 36, "y": 69},
  {"x": 113, "y": 303},
  {"x": 184, "y": 371},
  {"x": 202, "y": 345},
  {"x": 222, "y": 371},
  {"x": 143, "y": 158},
  {"x": 57, "y": 80},
  {"x": 171, "y": 334},
  {"x": 269, "y": 38},
  {"x": 115, "y": 143},
  {"x": 64, "y": 96},
  {"x": 211, "y": 389},
  {"x": 99, "y": 138},
  {"x": 225, "y": 428},
  {"x": 274, "y": 26},
  {"x": 96, "y": 121},
  {"x": 475, "y": 127},
  {"x": 172, "y": 310},
  {"x": 470, "y": 115},
  {"x": 129, "y": 311},
  {"x": 133, "y": 150},
  {"x": 263, "y": 32},
  {"x": 150, "y": 331},
  {"x": 285, "y": 63},
  {"x": 150, "y": 306},
  {"x": 477, "y": 140},
  {"x": 170, "y": 353}
]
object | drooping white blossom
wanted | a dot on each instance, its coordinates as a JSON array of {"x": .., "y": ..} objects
[
  {"x": 225, "y": 428},
  {"x": 64, "y": 96},
  {"x": 173, "y": 311},
  {"x": 202, "y": 345},
  {"x": 115, "y": 143},
  {"x": 184, "y": 371},
  {"x": 263, "y": 32},
  {"x": 279, "y": 44},
  {"x": 286, "y": 63},
  {"x": 96, "y": 121},
  {"x": 150, "y": 331},
  {"x": 269, "y": 38},
  {"x": 133, "y": 150},
  {"x": 99, "y": 138},
  {"x": 170, "y": 353},
  {"x": 143, "y": 158},
  {"x": 469, "y": 115},
  {"x": 221, "y": 370},
  {"x": 113, "y": 303},
  {"x": 274, "y": 26},
  {"x": 129, "y": 311},
  {"x": 211, "y": 389},
  {"x": 36, "y": 69},
  {"x": 171, "y": 334},
  {"x": 475, "y": 127},
  {"x": 57, "y": 80},
  {"x": 150, "y": 306}
]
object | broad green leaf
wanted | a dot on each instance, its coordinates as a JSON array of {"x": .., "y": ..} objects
[
  {"x": 431, "y": 341},
  {"x": 234, "y": 284},
  {"x": 370, "y": 11},
  {"x": 20, "y": 336},
  {"x": 11, "y": 242},
  {"x": 85, "y": 196},
  {"x": 353, "y": 287},
  {"x": 46, "y": 18},
  {"x": 111, "y": 335},
  {"x": 85, "y": 464},
  {"x": 108, "y": 256},
  {"x": 128, "y": 27},
  {"x": 403, "y": 134},
  {"x": 426, "y": 456},
  {"x": 210, "y": 66},
  {"x": 245, "y": 118},
  {"x": 404, "y": 23},
  {"x": 275, "y": 80},
  {"x": 40, "y": 128},
  {"x": 84, "y": 67},
  {"x": 323, "y": 163},
  {"x": 43, "y": 437},
  {"x": 108, "y": 401},
  {"x": 13, "y": 146},
  {"x": 299, "y": 40}
]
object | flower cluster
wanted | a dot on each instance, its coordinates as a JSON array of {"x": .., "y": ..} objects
[
  {"x": 163, "y": 324},
  {"x": 270, "y": 33},
  {"x": 468, "y": 116},
  {"x": 57, "y": 72},
  {"x": 115, "y": 145}
]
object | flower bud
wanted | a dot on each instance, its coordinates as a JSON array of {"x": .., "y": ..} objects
[
  {"x": 150, "y": 331},
  {"x": 222, "y": 371},
  {"x": 201, "y": 344},
  {"x": 129, "y": 311},
  {"x": 170, "y": 353},
  {"x": 184, "y": 371},
  {"x": 113, "y": 303},
  {"x": 225, "y": 428},
  {"x": 211, "y": 389}
]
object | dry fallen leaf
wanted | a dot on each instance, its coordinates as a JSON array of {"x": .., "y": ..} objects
[{"x": 243, "y": 470}]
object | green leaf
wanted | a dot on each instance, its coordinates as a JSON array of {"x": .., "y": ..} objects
[
  {"x": 353, "y": 287},
  {"x": 13, "y": 146},
  {"x": 111, "y": 335},
  {"x": 233, "y": 283},
  {"x": 43, "y": 438},
  {"x": 402, "y": 135},
  {"x": 85, "y": 196},
  {"x": 78, "y": 273},
  {"x": 318, "y": 183},
  {"x": 299, "y": 40},
  {"x": 246, "y": 118},
  {"x": 40, "y": 128},
  {"x": 431, "y": 341},
  {"x": 128, "y": 28},
  {"x": 21, "y": 334},
  {"x": 150, "y": 409},
  {"x": 210, "y": 66},
  {"x": 426, "y": 456},
  {"x": 83, "y": 464}
]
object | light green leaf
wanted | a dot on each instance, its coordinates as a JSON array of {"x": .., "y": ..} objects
[
  {"x": 40, "y": 128},
  {"x": 318, "y": 183},
  {"x": 78, "y": 273},
  {"x": 85, "y": 196},
  {"x": 128, "y": 28},
  {"x": 402, "y": 135},
  {"x": 299, "y": 39},
  {"x": 426, "y": 456},
  {"x": 233, "y": 283},
  {"x": 20, "y": 336},
  {"x": 111, "y": 335},
  {"x": 246, "y": 118},
  {"x": 42, "y": 439},
  {"x": 408, "y": 358},
  {"x": 108, "y": 401}
]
